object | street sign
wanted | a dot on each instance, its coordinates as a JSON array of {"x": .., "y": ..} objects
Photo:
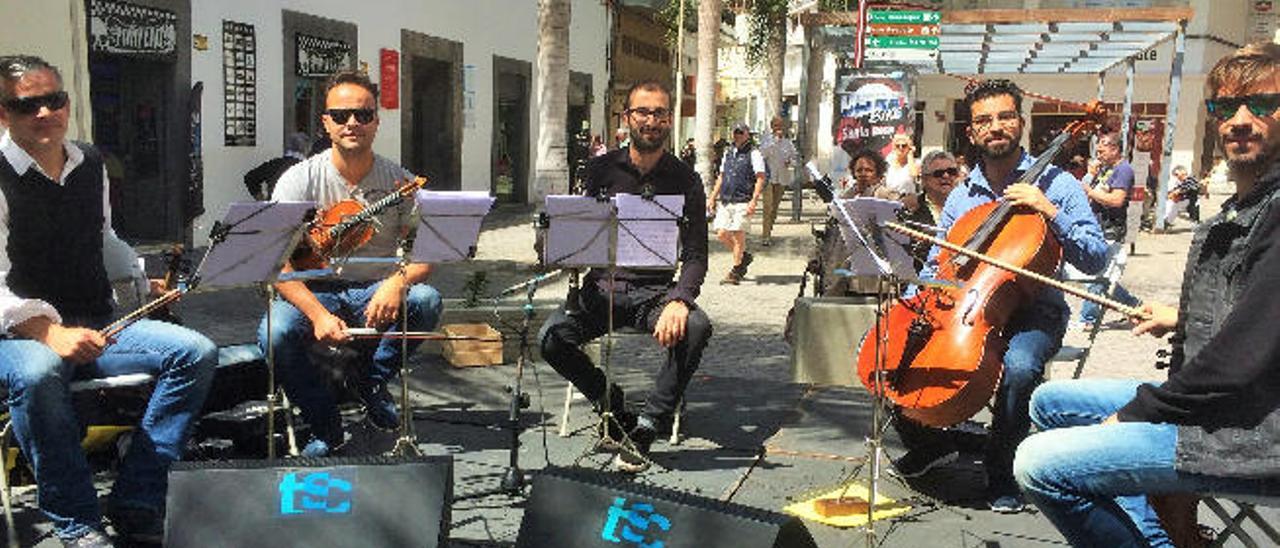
[
  {"x": 904, "y": 30},
  {"x": 904, "y": 17},
  {"x": 905, "y": 42},
  {"x": 904, "y": 55}
]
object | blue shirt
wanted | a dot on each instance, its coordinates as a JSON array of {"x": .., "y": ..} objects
[{"x": 1074, "y": 225}]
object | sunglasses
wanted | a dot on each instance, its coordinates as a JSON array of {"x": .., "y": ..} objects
[
  {"x": 949, "y": 171},
  {"x": 738, "y": 132},
  {"x": 1262, "y": 104},
  {"x": 31, "y": 105},
  {"x": 343, "y": 115}
]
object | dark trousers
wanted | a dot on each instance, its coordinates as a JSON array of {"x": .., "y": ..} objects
[{"x": 637, "y": 307}]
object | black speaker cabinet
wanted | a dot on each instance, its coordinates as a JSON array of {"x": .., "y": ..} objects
[
  {"x": 359, "y": 501},
  {"x": 582, "y": 509}
]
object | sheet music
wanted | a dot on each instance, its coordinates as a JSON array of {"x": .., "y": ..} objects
[
  {"x": 648, "y": 231},
  {"x": 873, "y": 250},
  {"x": 579, "y": 233},
  {"x": 260, "y": 237},
  {"x": 448, "y": 224}
]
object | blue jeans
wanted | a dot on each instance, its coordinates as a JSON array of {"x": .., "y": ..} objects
[
  {"x": 291, "y": 333},
  {"x": 1035, "y": 336},
  {"x": 1091, "y": 312},
  {"x": 48, "y": 432},
  {"x": 1091, "y": 480}
]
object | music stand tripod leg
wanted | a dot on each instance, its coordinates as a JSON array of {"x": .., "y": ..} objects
[{"x": 407, "y": 443}]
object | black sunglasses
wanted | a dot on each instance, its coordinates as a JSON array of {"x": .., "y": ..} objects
[
  {"x": 945, "y": 171},
  {"x": 1262, "y": 104},
  {"x": 31, "y": 105},
  {"x": 342, "y": 115}
]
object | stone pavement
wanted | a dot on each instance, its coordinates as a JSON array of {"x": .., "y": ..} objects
[{"x": 753, "y": 436}]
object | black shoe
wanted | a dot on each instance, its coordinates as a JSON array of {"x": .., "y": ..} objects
[
  {"x": 136, "y": 524},
  {"x": 634, "y": 458},
  {"x": 919, "y": 462},
  {"x": 615, "y": 430},
  {"x": 92, "y": 539},
  {"x": 747, "y": 257},
  {"x": 379, "y": 406}
]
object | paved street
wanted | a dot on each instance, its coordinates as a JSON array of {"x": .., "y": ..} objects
[{"x": 752, "y": 435}]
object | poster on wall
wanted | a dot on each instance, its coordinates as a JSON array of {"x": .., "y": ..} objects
[
  {"x": 874, "y": 104},
  {"x": 239, "y": 84},
  {"x": 1262, "y": 20}
]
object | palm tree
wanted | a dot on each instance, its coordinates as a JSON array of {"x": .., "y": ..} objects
[
  {"x": 551, "y": 174},
  {"x": 704, "y": 120}
]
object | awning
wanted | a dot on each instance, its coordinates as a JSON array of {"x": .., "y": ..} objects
[{"x": 1024, "y": 40}]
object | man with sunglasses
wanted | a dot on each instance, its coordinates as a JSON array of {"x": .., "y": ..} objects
[
  {"x": 369, "y": 295},
  {"x": 1213, "y": 426},
  {"x": 55, "y": 224},
  {"x": 737, "y": 189},
  {"x": 651, "y": 300},
  {"x": 1034, "y": 331},
  {"x": 939, "y": 176}
]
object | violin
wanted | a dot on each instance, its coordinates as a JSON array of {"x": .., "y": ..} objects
[
  {"x": 937, "y": 354},
  {"x": 344, "y": 227}
]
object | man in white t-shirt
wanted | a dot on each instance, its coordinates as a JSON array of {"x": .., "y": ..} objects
[
  {"x": 903, "y": 171},
  {"x": 779, "y": 156}
]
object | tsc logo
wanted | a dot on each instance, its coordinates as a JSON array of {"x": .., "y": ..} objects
[
  {"x": 631, "y": 525},
  {"x": 315, "y": 493}
]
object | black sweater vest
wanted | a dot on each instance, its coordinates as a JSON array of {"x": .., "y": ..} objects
[{"x": 55, "y": 238}]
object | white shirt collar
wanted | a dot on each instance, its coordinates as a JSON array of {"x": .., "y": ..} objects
[{"x": 21, "y": 161}]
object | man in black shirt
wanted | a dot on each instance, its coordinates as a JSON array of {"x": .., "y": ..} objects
[
  {"x": 1214, "y": 425},
  {"x": 644, "y": 299}
]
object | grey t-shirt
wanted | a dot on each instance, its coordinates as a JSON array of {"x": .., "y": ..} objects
[{"x": 317, "y": 180}]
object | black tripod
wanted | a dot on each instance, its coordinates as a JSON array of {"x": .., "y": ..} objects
[{"x": 514, "y": 480}]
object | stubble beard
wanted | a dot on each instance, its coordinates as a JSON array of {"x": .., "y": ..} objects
[{"x": 643, "y": 144}]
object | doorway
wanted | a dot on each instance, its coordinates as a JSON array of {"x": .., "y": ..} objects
[
  {"x": 131, "y": 115},
  {"x": 431, "y": 120},
  {"x": 509, "y": 156}
]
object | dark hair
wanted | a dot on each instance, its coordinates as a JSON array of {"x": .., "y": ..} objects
[
  {"x": 647, "y": 85},
  {"x": 12, "y": 67},
  {"x": 876, "y": 160},
  {"x": 1110, "y": 137},
  {"x": 1242, "y": 68},
  {"x": 354, "y": 77},
  {"x": 993, "y": 88}
]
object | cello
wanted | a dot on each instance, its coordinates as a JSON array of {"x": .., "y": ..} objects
[{"x": 937, "y": 354}]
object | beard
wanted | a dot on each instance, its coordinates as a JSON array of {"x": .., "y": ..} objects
[
  {"x": 1253, "y": 161},
  {"x": 644, "y": 143},
  {"x": 997, "y": 151}
]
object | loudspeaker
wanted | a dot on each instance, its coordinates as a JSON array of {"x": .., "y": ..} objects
[
  {"x": 827, "y": 332},
  {"x": 581, "y": 508},
  {"x": 358, "y": 501}
]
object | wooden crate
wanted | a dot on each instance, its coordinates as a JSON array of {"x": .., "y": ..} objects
[{"x": 472, "y": 353}]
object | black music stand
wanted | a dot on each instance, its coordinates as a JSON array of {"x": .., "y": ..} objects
[{"x": 248, "y": 248}]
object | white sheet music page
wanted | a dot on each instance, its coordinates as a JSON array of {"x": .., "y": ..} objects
[
  {"x": 259, "y": 237},
  {"x": 874, "y": 250},
  {"x": 649, "y": 230},
  {"x": 578, "y": 233},
  {"x": 448, "y": 224}
]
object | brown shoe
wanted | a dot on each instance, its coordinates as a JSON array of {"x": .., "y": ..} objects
[{"x": 732, "y": 278}]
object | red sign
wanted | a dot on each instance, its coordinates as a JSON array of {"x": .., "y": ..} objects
[{"x": 389, "y": 84}]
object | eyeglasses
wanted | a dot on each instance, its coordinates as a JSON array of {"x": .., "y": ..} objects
[
  {"x": 948, "y": 171},
  {"x": 739, "y": 131},
  {"x": 31, "y": 105},
  {"x": 1262, "y": 104},
  {"x": 656, "y": 113},
  {"x": 1005, "y": 118},
  {"x": 902, "y": 146},
  {"x": 343, "y": 115}
]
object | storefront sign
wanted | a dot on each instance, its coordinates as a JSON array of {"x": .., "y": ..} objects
[
  {"x": 389, "y": 84},
  {"x": 874, "y": 106},
  {"x": 320, "y": 57},
  {"x": 119, "y": 27}
]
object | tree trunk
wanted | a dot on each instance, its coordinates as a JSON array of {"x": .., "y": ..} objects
[
  {"x": 813, "y": 95},
  {"x": 773, "y": 69},
  {"x": 704, "y": 121},
  {"x": 551, "y": 175}
]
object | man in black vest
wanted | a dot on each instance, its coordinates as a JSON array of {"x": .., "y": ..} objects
[
  {"x": 738, "y": 188},
  {"x": 54, "y": 299}
]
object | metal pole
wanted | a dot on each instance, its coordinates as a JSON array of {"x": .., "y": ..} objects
[
  {"x": 676, "y": 143},
  {"x": 1102, "y": 93},
  {"x": 1171, "y": 120},
  {"x": 802, "y": 126},
  {"x": 1127, "y": 119}
]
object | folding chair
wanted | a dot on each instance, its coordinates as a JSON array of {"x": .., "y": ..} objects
[
  {"x": 1109, "y": 278},
  {"x": 1245, "y": 516}
]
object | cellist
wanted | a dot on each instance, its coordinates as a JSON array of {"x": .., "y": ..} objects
[{"x": 1035, "y": 330}]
